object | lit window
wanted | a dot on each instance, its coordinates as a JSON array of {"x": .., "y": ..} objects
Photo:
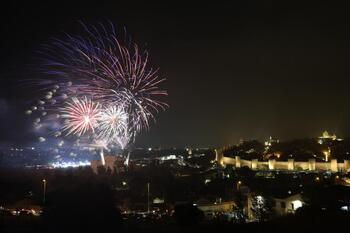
[{"x": 296, "y": 204}]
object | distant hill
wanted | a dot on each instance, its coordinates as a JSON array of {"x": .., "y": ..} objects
[{"x": 298, "y": 149}]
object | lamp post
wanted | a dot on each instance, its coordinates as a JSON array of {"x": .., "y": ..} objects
[
  {"x": 148, "y": 197},
  {"x": 239, "y": 185},
  {"x": 44, "y": 191}
]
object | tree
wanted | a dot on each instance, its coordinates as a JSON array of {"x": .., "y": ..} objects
[
  {"x": 81, "y": 206},
  {"x": 262, "y": 208},
  {"x": 188, "y": 214}
]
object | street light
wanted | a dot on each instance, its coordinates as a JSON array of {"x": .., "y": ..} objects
[
  {"x": 148, "y": 197},
  {"x": 239, "y": 184},
  {"x": 44, "y": 193}
]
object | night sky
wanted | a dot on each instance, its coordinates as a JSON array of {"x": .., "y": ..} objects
[{"x": 235, "y": 70}]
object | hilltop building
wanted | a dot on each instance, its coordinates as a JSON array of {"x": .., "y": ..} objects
[{"x": 325, "y": 137}]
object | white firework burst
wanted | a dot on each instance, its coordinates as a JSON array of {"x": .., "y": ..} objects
[
  {"x": 112, "y": 123},
  {"x": 80, "y": 116}
]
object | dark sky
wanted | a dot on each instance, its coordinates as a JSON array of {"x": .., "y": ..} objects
[{"x": 234, "y": 70}]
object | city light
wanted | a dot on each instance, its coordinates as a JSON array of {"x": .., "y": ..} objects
[
  {"x": 70, "y": 164},
  {"x": 239, "y": 183},
  {"x": 297, "y": 204},
  {"x": 326, "y": 154}
]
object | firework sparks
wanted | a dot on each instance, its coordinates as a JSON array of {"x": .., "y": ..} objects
[
  {"x": 101, "y": 67},
  {"x": 112, "y": 122},
  {"x": 114, "y": 92},
  {"x": 80, "y": 116}
]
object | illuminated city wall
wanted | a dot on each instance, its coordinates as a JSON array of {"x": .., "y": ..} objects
[{"x": 290, "y": 165}]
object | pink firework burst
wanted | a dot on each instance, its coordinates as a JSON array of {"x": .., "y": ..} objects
[{"x": 80, "y": 116}]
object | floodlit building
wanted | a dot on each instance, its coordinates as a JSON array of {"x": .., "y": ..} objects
[
  {"x": 113, "y": 163},
  {"x": 287, "y": 204},
  {"x": 216, "y": 207},
  {"x": 280, "y": 204},
  {"x": 327, "y": 137}
]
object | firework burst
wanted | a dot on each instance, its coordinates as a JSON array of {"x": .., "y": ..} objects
[
  {"x": 112, "y": 123},
  {"x": 100, "y": 66},
  {"x": 114, "y": 92},
  {"x": 80, "y": 116}
]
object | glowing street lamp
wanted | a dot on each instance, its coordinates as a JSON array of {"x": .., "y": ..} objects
[
  {"x": 44, "y": 193},
  {"x": 148, "y": 209},
  {"x": 239, "y": 184}
]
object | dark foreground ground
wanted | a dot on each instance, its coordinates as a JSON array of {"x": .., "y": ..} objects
[
  {"x": 80, "y": 201},
  {"x": 308, "y": 221}
]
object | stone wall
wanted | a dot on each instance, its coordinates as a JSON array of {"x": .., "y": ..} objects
[{"x": 289, "y": 165}]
